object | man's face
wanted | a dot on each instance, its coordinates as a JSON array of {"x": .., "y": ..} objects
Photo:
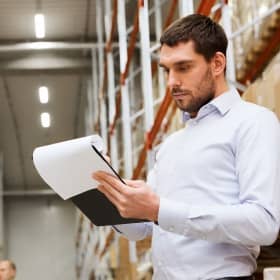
[
  {"x": 6, "y": 271},
  {"x": 189, "y": 76}
]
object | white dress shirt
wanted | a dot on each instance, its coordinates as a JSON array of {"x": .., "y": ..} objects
[{"x": 219, "y": 185}]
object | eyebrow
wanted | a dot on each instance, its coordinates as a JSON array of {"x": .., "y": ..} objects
[{"x": 178, "y": 63}]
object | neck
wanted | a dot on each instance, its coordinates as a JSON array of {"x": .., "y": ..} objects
[{"x": 221, "y": 86}]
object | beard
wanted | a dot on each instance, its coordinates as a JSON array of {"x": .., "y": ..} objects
[{"x": 204, "y": 93}]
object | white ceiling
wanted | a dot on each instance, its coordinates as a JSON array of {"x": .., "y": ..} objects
[
  {"x": 22, "y": 72},
  {"x": 71, "y": 19}
]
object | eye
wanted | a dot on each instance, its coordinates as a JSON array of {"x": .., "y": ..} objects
[
  {"x": 166, "y": 71},
  {"x": 183, "y": 68}
]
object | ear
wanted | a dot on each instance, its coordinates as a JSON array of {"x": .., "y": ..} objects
[{"x": 218, "y": 64}]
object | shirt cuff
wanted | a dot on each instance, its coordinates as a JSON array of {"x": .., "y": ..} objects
[{"x": 173, "y": 216}]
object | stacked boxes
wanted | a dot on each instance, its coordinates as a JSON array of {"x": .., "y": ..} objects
[{"x": 266, "y": 91}]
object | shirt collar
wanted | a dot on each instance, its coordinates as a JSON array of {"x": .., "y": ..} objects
[
  {"x": 223, "y": 103},
  {"x": 226, "y": 100}
]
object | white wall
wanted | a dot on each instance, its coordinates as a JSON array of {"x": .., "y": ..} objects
[
  {"x": 40, "y": 237},
  {"x": 1, "y": 208}
]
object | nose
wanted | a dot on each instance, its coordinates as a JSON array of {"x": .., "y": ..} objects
[{"x": 172, "y": 80}]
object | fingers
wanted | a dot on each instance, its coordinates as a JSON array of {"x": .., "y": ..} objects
[
  {"x": 109, "y": 191},
  {"x": 108, "y": 194},
  {"x": 132, "y": 200},
  {"x": 109, "y": 181},
  {"x": 116, "y": 198},
  {"x": 106, "y": 186},
  {"x": 135, "y": 183}
]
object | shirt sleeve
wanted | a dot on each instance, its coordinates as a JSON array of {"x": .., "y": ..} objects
[
  {"x": 255, "y": 219},
  {"x": 135, "y": 232}
]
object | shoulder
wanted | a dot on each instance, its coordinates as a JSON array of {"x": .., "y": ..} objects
[
  {"x": 256, "y": 123},
  {"x": 249, "y": 113}
]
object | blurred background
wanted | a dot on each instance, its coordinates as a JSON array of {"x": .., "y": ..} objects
[{"x": 72, "y": 68}]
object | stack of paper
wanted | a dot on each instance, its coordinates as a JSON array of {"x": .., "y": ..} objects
[{"x": 67, "y": 168}]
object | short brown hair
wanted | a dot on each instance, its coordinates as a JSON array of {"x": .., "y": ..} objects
[
  {"x": 208, "y": 36},
  {"x": 13, "y": 265}
]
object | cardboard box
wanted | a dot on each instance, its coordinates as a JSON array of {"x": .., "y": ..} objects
[
  {"x": 273, "y": 83},
  {"x": 271, "y": 273},
  {"x": 250, "y": 94}
]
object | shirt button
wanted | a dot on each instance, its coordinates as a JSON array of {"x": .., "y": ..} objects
[{"x": 171, "y": 228}]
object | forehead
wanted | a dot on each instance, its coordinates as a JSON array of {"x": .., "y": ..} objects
[{"x": 182, "y": 51}]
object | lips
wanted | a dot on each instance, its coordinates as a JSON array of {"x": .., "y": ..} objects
[
  {"x": 180, "y": 91},
  {"x": 178, "y": 95}
]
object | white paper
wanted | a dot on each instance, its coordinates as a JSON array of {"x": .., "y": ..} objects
[{"x": 67, "y": 166}]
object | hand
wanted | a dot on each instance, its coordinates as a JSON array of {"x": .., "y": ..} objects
[{"x": 135, "y": 199}]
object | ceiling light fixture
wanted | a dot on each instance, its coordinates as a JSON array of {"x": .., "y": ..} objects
[
  {"x": 39, "y": 22},
  {"x": 43, "y": 95},
  {"x": 262, "y": 9},
  {"x": 45, "y": 119}
]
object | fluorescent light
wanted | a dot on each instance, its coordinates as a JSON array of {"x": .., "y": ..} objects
[
  {"x": 42, "y": 45},
  {"x": 39, "y": 22},
  {"x": 263, "y": 8},
  {"x": 44, "y": 94},
  {"x": 45, "y": 119}
]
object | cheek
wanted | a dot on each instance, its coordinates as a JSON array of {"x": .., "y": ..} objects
[
  {"x": 206, "y": 81},
  {"x": 192, "y": 80}
]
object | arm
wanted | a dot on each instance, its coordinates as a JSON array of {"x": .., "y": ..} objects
[{"x": 253, "y": 221}]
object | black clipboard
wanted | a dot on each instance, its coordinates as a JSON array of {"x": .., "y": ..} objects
[
  {"x": 67, "y": 167},
  {"x": 98, "y": 208}
]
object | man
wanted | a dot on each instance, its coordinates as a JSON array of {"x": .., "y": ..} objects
[
  {"x": 7, "y": 270},
  {"x": 213, "y": 196}
]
